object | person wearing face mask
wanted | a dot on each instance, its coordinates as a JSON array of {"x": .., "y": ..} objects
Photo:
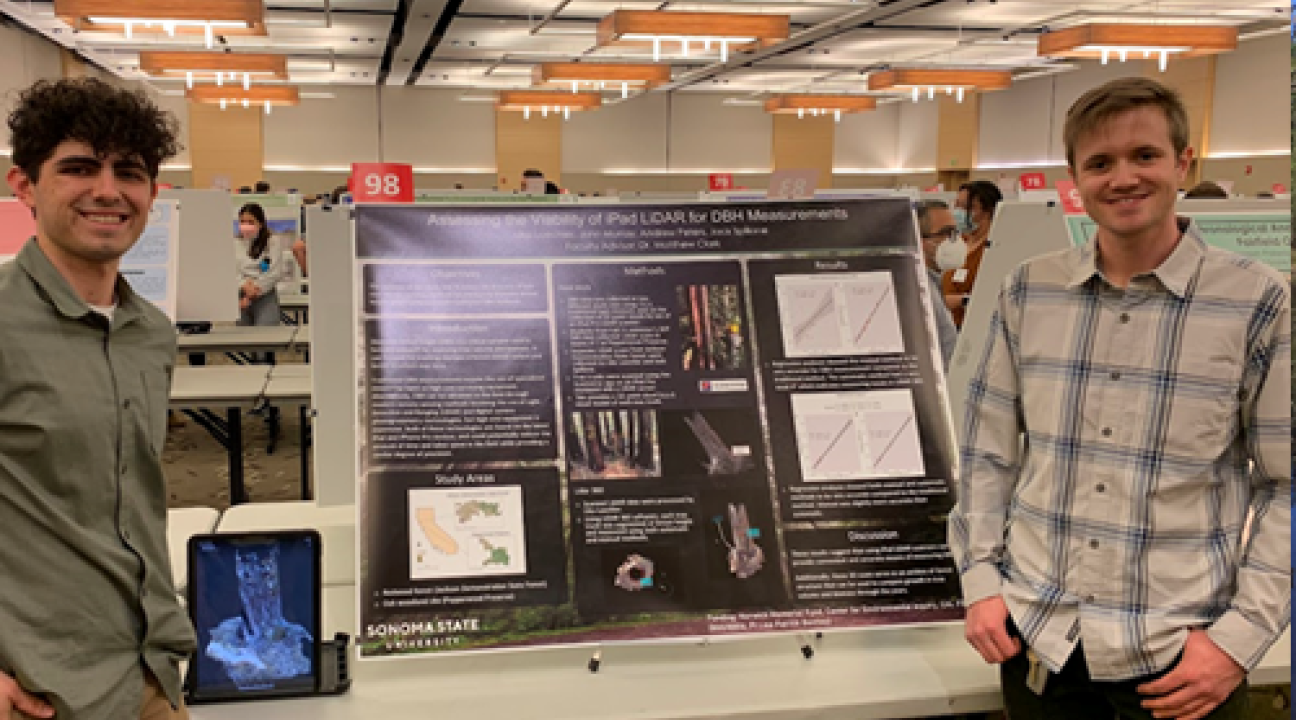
[
  {"x": 974, "y": 210},
  {"x": 937, "y": 229},
  {"x": 258, "y": 260}
]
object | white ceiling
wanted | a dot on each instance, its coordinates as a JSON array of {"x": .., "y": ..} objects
[{"x": 482, "y": 45}]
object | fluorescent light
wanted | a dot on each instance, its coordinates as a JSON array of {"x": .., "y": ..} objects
[
  {"x": 1257, "y": 153},
  {"x": 150, "y": 22},
  {"x": 882, "y": 171}
]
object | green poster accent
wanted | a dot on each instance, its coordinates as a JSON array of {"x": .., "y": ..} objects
[{"x": 1264, "y": 237}]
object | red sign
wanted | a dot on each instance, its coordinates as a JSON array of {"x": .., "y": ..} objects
[
  {"x": 719, "y": 182},
  {"x": 1032, "y": 181},
  {"x": 382, "y": 183},
  {"x": 1279, "y": 189},
  {"x": 1071, "y": 204},
  {"x": 16, "y": 226}
]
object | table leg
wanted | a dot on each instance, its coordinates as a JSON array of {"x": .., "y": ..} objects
[{"x": 238, "y": 488}]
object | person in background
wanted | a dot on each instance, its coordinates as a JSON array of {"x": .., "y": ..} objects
[
  {"x": 258, "y": 261},
  {"x": 936, "y": 225},
  {"x": 90, "y": 624},
  {"x": 261, "y": 188},
  {"x": 974, "y": 211},
  {"x": 1129, "y": 418},
  {"x": 1206, "y": 189}
]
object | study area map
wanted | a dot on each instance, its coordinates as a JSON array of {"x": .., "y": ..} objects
[{"x": 605, "y": 423}]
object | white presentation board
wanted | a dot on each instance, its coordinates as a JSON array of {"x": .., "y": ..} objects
[{"x": 205, "y": 280}]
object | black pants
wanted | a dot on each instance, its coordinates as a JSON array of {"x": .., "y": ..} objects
[{"x": 1072, "y": 695}]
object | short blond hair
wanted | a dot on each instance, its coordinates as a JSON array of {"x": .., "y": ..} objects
[{"x": 1122, "y": 95}]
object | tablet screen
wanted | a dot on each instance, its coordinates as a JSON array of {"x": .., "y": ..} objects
[{"x": 254, "y": 602}]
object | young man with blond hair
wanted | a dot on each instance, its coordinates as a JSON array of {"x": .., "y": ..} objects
[{"x": 1130, "y": 413}]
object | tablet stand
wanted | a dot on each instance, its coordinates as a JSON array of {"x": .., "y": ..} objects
[{"x": 335, "y": 672}]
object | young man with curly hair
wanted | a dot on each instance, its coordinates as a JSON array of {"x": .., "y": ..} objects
[
  {"x": 1123, "y": 526},
  {"x": 90, "y": 626}
]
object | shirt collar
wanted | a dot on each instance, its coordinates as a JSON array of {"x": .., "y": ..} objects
[
  {"x": 1175, "y": 272},
  {"x": 32, "y": 260}
]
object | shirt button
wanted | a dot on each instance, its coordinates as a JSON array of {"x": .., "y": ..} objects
[
  {"x": 1115, "y": 375},
  {"x": 1124, "y": 318},
  {"x": 1106, "y": 432},
  {"x": 1101, "y": 487},
  {"x": 126, "y": 404},
  {"x": 1093, "y": 544},
  {"x": 1089, "y": 598}
]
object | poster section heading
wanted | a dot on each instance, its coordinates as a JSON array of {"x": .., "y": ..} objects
[
  {"x": 621, "y": 447},
  {"x": 600, "y": 230}
]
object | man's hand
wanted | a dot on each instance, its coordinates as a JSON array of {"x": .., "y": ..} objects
[
  {"x": 15, "y": 699},
  {"x": 1203, "y": 679},
  {"x": 986, "y": 628},
  {"x": 250, "y": 290}
]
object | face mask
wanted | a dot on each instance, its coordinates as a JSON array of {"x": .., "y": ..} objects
[
  {"x": 248, "y": 230},
  {"x": 965, "y": 222},
  {"x": 951, "y": 254}
]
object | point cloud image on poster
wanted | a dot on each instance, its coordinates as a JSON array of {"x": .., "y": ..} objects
[
  {"x": 708, "y": 442},
  {"x": 746, "y": 558},
  {"x": 711, "y": 323},
  {"x": 259, "y": 646},
  {"x": 613, "y": 444}
]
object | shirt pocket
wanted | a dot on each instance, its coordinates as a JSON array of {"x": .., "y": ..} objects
[{"x": 1207, "y": 398}]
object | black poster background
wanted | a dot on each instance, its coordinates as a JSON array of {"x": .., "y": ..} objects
[{"x": 674, "y": 496}]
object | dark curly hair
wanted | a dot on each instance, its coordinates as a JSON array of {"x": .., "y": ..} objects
[{"x": 108, "y": 119}]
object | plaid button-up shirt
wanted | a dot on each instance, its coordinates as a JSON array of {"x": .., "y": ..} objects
[{"x": 1115, "y": 443}]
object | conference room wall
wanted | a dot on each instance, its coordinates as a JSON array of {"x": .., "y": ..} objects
[
  {"x": 1252, "y": 105},
  {"x": 634, "y": 133},
  {"x": 324, "y": 133},
  {"x": 868, "y": 140},
  {"x": 435, "y": 130}
]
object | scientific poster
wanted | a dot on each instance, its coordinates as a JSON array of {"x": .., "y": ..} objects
[
  {"x": 1263, "y": 237},
  {"x": 608, "y": 423},
  {"x": 151, "y": 265}
]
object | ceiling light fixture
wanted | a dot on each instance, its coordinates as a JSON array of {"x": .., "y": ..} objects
[
  {"x": 599, "y": 76},
  {"x": 1108, "y": 41},
  {"x": 817, "y": 105},
  {"x": 525, "y": 101},
  {"x": 952, "y": 81},
  {"x": 214, "y": 66},
  {"x": 710, "y": 32},
  {"x": 264, "y": 95},
  {"x": 191, "y": 17}
]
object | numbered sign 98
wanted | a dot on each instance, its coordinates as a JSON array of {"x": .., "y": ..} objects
[{"x": 382, "y": 182}]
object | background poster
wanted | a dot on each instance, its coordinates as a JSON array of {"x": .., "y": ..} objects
[
  {"x": 592, "y": 424},
  {"x": 151, "y": 265},
  {"x": 1263, "y": 237}
]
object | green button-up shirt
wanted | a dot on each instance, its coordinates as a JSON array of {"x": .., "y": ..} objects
[{"x": 86, "y": 595}]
